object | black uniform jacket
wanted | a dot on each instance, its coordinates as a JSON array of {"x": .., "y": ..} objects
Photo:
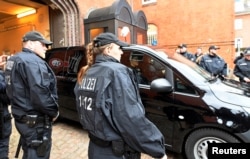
[
  {"x": 3, "y": 97},
  {"x": 242, "y": 69},
  {"x": 189, "y": 56},
  {"x": 110, "y": 107},
  {"x": 31, "y": 85},
  {"x": 214, "y": 65}
]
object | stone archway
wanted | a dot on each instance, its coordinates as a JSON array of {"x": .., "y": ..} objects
[{"x": 71, "y": 19}]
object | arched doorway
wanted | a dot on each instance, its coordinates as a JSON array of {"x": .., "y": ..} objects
[{"x": 64, "y": 23}]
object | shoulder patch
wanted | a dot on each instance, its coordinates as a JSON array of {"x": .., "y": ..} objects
[{"x": 9, "y": 65}]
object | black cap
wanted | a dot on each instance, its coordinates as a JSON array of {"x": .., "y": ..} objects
[
  {"x": 213, "y": 47},
  {"x": 108, "y": 38},
  {"x": 247, "y": 51},
  {"x": 35, "y": 36},
  {"x": 182, "y": 45}
]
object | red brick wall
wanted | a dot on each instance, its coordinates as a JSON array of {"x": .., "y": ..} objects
[
  {"x": 194, "y": 22},
  {"x": 244, "y": 33}
]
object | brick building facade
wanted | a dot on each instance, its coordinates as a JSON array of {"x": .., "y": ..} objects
[
  {"x": 242, "y": 23},
  {"x": 193, "y": 22}
]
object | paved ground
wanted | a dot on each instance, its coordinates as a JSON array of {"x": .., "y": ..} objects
[{"x": 69, "y": 142}]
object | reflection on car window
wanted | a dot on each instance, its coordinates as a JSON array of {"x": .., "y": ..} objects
[
  {"x": 145, "y": 67},
  {"x": 136, "y": 60},
  {"x": 182, "y": 86},
  {"x": 156, "y": 69},
  {"x": 74, "y": 60}
]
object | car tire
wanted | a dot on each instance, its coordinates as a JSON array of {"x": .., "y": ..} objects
[{"x": 196, "y": 145}]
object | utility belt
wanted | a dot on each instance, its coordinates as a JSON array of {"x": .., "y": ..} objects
[
  {"x": 119, "y": 147},
  {"x": 41, "y": 143},
  {"x": 99, "y": 142},
  {"x": 32, "y": 120}
]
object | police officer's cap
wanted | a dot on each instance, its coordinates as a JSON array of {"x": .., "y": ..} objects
[
  {"x": 182, "y": 46},
  {"x": 247, "y": 51},
  {"x": 108, "y": 38},
  {"x": 213, "y": 47},
  {"x": 35, "y": 36}
]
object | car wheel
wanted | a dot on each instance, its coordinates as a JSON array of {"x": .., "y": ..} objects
[{"x": 196, "y": 145}]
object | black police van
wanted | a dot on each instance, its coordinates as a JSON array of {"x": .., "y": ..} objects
[{"x": 191, "y": 108}]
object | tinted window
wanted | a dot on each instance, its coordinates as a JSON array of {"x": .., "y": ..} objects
[
  {"x": 146, "y": 67},
  {"x": 66, "y": 61},
  {"x": 149, "y": 68},
  {"x": 74, "y": 59},
  {"x": 183, "y": 86}
]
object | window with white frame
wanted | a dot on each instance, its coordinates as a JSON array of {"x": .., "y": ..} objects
[
  {"x": 238, "y": 5},
  {"x": 152, "y": 34},
  {"x": 241, "y": 5},
  {"x": 238, "y": 24},
  {"x": 148, "y": 1}
]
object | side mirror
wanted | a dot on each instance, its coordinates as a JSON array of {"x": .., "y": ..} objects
[{"x": 161, "y": 85}]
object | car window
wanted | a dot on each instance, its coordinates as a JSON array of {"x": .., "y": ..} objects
[
  {"x": 181, "y": 85},
  {"x": 66, "y": 61},
  {"x": 149, "y": 68},
  {"x": 74, "y": 59},
  {"x": 145, "y": 67}
]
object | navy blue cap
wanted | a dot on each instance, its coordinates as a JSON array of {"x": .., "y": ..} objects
[
  {"x": 108, "y": 38},
  {"x": 247, "y": 51},
  {"x": 35, "y": 36},
  {"x": 182, "y": 45},
  {"x": 213, "y": 47}
]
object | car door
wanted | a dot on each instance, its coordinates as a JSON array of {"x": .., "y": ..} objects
[
  {"x": 150, "y": 68},
  {"x": 174, "y": 113},
  {"x": 69, "y": 60}
]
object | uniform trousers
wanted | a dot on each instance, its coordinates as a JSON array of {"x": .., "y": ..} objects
[
  {"x": 4, "y": 142},
  {"x": 98, "y": 152},
  {"x": 30, "y": 133}
]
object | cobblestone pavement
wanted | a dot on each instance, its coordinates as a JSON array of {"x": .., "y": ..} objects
[{"x": 70, "y": 141}]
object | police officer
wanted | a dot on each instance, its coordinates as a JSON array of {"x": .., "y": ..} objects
[
  {"x": 110, "y": 107},
  {"x": 242, "y": 67},
  {"x": 5, "y": 117},
  {"x": 185, "y": 53},
  {"x": 213, "y": 63},
  {"x": 31, "y": 87}
]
